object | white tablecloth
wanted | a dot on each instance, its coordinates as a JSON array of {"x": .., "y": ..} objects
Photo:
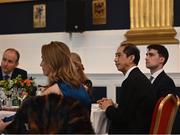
[
  {"x": 6, "y": 114},
  {"x": 99, "y": 120}
]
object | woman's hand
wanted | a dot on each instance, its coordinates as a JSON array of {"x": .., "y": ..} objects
[{"x": 52, "y": 89}]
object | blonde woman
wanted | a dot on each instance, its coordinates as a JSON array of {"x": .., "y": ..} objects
[
  {"x": 80, "y": 68},
  {"x": 62, "y": 74}
]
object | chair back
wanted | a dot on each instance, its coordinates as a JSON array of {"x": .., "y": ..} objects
[{"x": 164, "y": 114}]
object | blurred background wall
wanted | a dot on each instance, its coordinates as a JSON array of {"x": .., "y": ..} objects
[{"x": 96, "y": 44}]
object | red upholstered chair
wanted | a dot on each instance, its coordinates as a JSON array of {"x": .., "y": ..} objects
[{"x": 164, "y": 114}]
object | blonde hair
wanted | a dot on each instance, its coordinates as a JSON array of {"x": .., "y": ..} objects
[
  {"x": 58, "y": 57},
  {"x": 79, "y": 66}
]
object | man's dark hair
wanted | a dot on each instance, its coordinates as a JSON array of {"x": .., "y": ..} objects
[
  {"x": 162, "y": 51},
  {"x": 131, "y": 49}
]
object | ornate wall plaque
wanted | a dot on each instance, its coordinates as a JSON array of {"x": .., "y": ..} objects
[
  {"x": 99, "y": 11},
  {"x": 151, "y": 22},
  {"x": 39, "y": 15}
]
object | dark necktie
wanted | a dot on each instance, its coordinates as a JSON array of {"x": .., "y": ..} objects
[
  {"x": 6, "y": 77},
  {"x": 151, "y": 78}
]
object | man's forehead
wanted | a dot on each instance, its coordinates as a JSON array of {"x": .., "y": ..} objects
[
  {"x": 10, "y": 55},
  {"x": 152, "y": 51}
]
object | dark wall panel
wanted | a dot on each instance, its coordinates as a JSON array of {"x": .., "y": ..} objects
[
  {"x": 176, "y": 12},
  {"x": 118, "y": 93},
  {"x": 98, "y": 93},
  {"x": 18, "y": 17},
  {"x": 55, "y": 15},
  {"x": 117, "y": 15},
  {"x": 15, "y": 18},
  {"x": 75, "y": 15}
]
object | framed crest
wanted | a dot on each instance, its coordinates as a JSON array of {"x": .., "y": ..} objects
[
  {"x": 39, "y": 16},
  {"x": 99, "y": 11}
]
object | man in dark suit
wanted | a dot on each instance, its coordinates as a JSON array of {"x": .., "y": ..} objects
[
  {"x": 9, "y": 63},
  {"x": 134, "y": 111},
  {"x": 9, "y": 70},
  {"x": 156, "y": 57}
]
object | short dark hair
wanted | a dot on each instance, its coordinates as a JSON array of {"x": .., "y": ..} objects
[
  {"x": 131, "y": 49},
  {"x": 14, "y": 50},
  {"x": 162, "y": 51}
]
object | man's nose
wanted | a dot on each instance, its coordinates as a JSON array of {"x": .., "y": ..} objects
[{"x": 146, "y": 57}]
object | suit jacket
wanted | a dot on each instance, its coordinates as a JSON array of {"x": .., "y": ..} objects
[
  {"x": 163, "y": 85},
  {"x": 16, "y": 72},
  {"x": 135, "y": 108},
  {"x": 176, "y": 124}
]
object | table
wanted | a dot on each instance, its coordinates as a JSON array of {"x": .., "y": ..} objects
[{"x": 99, "y": 120}]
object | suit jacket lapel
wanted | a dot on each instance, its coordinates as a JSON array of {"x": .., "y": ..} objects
[
  {"x": 156, "y": 81},
  {"x": 14, "y": 74}
]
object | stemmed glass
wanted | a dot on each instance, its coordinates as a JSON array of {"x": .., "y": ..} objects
[
  {"x": 8, "y": 93},
  {"x": 20, "y": 95},
  {"x": 2, "y": 98},
  {"x": 14, "y": 97},
  {"x": 8, "y": 100}
]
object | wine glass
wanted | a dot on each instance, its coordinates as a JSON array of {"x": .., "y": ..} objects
[
  {"x": 19, "y": 95},
  {"x": 8, "y": 100}
]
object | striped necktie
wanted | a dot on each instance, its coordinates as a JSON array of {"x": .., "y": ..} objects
[{"x": 6, "y": 77}]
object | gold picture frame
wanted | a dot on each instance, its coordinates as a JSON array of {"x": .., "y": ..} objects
[
  {"x": 11, "y": 1},
  {"x": 39, "y": 15},
  {"x": 99, "y": 12}
]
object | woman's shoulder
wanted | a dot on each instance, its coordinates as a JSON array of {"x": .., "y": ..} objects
[{"x": 76, "y": 93}]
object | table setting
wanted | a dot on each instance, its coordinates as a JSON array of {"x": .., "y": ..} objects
[
  {"x": 99, "y": 120},
  {"x": 13, "y": 92}
]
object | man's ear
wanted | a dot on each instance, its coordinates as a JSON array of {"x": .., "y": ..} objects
[
  {"x": 131, "y": 57},
  {"x": 162, "y": 59}
]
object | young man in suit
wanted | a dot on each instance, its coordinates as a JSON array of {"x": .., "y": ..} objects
[
  {"x": 156, "y": 57},
  {"x": 9, "y": 63},
  {"x": 134, "y": 111}
]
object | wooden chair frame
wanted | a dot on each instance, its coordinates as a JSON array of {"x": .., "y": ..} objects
[{"x": 176, "y": 102}]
